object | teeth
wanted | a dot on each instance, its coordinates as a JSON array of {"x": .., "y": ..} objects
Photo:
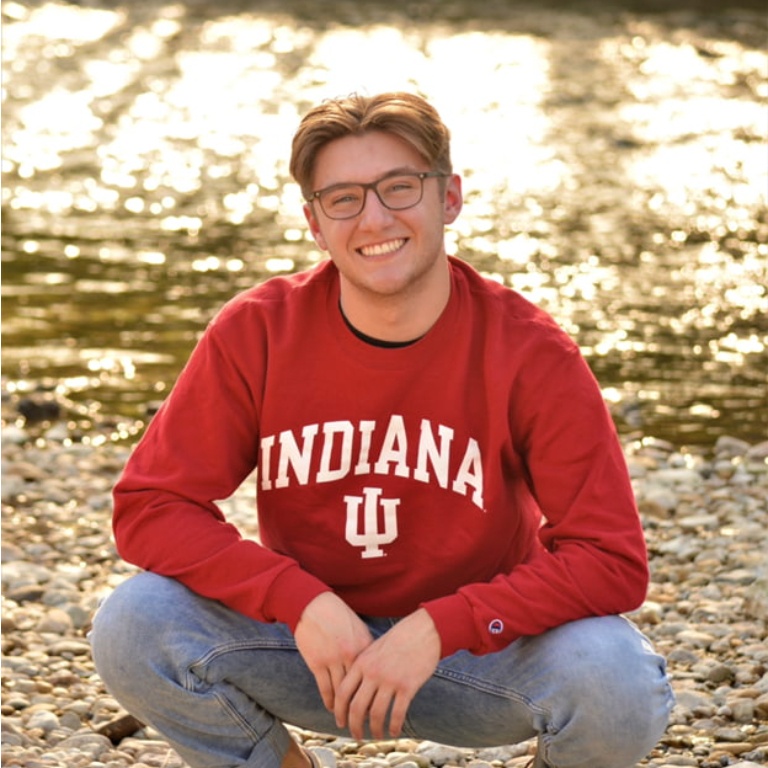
[{"x": 381, "y": 248}]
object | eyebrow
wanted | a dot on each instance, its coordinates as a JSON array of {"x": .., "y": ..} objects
[{"x": 393, "y": 172}]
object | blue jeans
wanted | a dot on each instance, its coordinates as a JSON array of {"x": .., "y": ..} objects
[{"x": 219, "y": 686}]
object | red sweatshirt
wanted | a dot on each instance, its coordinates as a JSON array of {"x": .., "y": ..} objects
[{"x": 476, "y": 472}]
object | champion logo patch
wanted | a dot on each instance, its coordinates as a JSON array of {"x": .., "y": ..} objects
[{"x": 496, "y": 627}]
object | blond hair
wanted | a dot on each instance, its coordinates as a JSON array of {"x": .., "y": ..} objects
[{"x": 405, "y": 115}]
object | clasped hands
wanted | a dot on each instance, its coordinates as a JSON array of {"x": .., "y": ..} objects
[{"x": 360, "y": 678}]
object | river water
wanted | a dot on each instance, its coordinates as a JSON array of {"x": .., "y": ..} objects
[{"x": 614, "y": 161}]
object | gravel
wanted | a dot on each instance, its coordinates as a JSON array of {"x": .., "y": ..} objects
[{"x": 705, "y": 514}]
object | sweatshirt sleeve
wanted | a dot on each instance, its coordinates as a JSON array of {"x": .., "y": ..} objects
[
  {"x": 590, "y": 558},
  {"x": 199, "y": 447}
]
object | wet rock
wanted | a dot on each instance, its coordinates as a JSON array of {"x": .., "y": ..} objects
[{"x": 39, "y": 408}]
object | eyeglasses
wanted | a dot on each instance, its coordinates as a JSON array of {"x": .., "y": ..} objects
[{"x": 396, "y": 191}]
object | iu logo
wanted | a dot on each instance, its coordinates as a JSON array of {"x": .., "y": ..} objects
[{"x": 371, "y": 537}]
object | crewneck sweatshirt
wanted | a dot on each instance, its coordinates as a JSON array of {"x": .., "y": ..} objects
[{"x": 475, "y": 472}]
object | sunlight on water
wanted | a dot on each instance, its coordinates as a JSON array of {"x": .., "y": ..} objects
[
  {"x": 620, "y": 185},
  {"x": 346, "y": 60},
  {"x": 56, "y": 22},
  {"x": 501, "y": 133},
  {"x": 497, "y": 125},
  {"x": 65, "y": 122}
]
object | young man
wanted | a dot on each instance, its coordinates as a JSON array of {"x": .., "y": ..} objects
[{"x": 448, "y": 532}]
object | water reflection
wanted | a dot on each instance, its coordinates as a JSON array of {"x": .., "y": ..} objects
[{"x": 614, "y": 164}]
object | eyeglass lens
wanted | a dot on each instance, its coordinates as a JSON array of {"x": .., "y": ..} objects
[{"x": 343, "y": 201}]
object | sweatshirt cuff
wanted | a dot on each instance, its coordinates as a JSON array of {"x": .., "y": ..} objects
[
  {"x": 290, "y": 593},
  {"x": 454, "y": 621}
]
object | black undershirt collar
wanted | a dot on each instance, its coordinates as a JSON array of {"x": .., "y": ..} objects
[{"x": 371, "y": 340}]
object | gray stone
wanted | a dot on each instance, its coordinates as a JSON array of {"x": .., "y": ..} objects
[
  {"x": 326, "y": 756},
  {"x": 44, "y": 720},
  {"x": 55, "y": 621},
  {"x": 439, "y": 754},
  {"x": 92, "y": 744}
]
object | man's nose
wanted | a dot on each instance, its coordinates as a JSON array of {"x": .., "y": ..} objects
[{"x": 374, "y": 210}]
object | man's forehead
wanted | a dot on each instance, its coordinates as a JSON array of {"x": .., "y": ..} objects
[{"x": 364, "y": 158}]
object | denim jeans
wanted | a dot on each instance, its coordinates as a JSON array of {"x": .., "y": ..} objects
[{"x": 219, "y": 686}]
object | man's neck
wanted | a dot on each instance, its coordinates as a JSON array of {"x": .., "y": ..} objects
[
  {"x": 397, "y": 318},
  {"x": 374, "y": 341}
]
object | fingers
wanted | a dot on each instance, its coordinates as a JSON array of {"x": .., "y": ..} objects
[
  {"x": 328, "y": 681},
  {"x": 326, "y": 688},
  {"x": 337, "y": 676},
  {"x": 381, "y": 677},
  {"x": 346, "y": 689},
  {"x": 359, "y": 700},
  {"x": 377, "y": 713},
  {"x": 329, "y": 637},
  {"x": 397, "y": 716}
]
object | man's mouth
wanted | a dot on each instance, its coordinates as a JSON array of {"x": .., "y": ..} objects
[{"x": 380, "y": 249}]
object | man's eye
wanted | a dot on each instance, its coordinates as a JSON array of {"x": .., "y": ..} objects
[
  {"x": 400, "y": 184},
  {"x": 343, "y": 198}
]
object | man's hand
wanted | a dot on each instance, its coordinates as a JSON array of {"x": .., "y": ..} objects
[
  {"x": 387, "y": 674},
  {"x": 330, "y": 636}
]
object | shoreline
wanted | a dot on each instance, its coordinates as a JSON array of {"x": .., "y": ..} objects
[{"x": 705, "y": 515}]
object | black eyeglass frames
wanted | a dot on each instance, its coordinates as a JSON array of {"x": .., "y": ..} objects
[{"x": 396, "y": 191}]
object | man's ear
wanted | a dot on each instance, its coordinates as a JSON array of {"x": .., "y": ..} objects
[
  {"x": 454, "y": 200},
  {"x": 314, "y": 226}
]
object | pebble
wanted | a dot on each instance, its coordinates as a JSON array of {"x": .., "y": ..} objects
[{"x": 706, "y": 523}]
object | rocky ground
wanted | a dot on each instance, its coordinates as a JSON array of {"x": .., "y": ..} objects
[{"x": 705, "y": 514}]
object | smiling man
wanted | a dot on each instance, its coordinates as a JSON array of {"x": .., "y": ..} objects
[
  {"x": 447, "y": 528},
  {"x": 394, "y": 274}
]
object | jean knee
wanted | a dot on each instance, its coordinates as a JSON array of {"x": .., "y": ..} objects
[
  {"x": 122, "y": 632},
  {"x": 618, "y": 688}
]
